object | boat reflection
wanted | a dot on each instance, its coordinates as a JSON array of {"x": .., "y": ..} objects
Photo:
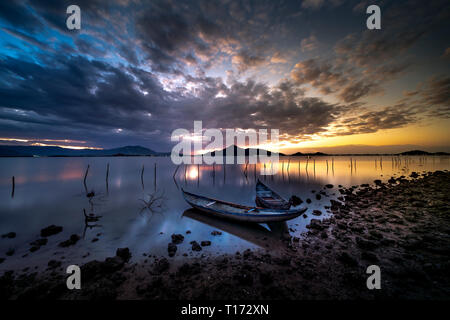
[{"x": 276, "y": 238}]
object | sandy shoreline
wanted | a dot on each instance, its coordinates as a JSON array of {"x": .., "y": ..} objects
[{"x": 403, "y": 226}]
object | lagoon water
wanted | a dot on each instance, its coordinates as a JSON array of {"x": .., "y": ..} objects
[{"x": 52, "y": 191}]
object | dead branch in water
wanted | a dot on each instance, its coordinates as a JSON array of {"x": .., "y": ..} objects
[{"x": 154, "y": 203}]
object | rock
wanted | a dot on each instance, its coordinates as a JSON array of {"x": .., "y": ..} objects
[
  {"x": 189, "y": 269},
  {"x": 315, "y": 224},
  {"x": 295, "y": 201},
  {"x": 70, "y": 242},
  {"x": 318, "y": 196},
  {"x": 51, "y": 230},
  {"x": 205, "y": 243},
  {"x": 345, "y": 258},
  {"x": 94, "y": 240},
  {"x": 1, "y": 260},
  {"x": 124, "y": 253},
  {"x": 369, "y": 256},
  {"x": 10, "y": 252},
  {"x": 195, "y": 246},
  {"x": 161, "y": 266},
  {"x": 34, "y": 248},
  {"x": 266, "y": 278},
  {"x": 216, "y": 233},
  {"x": 172, "y": 249},
  {"x": 414, "y": 174},
  {"x": 188, "y": 231},
  {"x": 308, "y": 200},
  {"x": 244, "y": 277},
  {"x": 9, "y": 235},
  {"x": 53, "y": 264},
  {"x": 177, "y": 238},
  {"x": 329, "y": 186},
  {"x": 39, "y": 242},
  {"x": 317, "y": 212},
  {"x": 365, "y": 244}
]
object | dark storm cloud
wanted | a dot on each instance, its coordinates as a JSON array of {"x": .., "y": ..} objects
[
  {"x": 16, "y": 13},
  {"x": 138, "y": 70},
  {"x": 390, "y": 117}
]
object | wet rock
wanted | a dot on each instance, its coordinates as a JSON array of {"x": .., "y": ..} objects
[
  {"x": 205, "y": 243},
  {"x": 369, "y": 256},
  {"x": 414, "y": 174},
  {"x": 172, "y": 249},
  {"x": 53, "y": 264},
  {"x": 365, "y": 244},
  {"x": 216, "y": 233},
  {"x": 39, "y": 242},
  {"x": 51, "y": 230},
  {"x": 177, "y": 238},
  {"x": 318, "y": 196},
  {"x": 347, "y": 259},
  {"x": 266, "y": 278},
  {"x": 189, "y": 269},
  {"x": 70, "y": 242},
  {"x": 195, "y": 246},
  {"x": 9, "y": 235},
  {"x": 161, "y": 266},
  {"x": 124, "y": 253},
  {"x": 317, "y": 212},
  {"x": 1, "y": 260},
  {"x": 315, "y": 224},
  {"x": 188, "y": 231},
  {"x": 244, "y": 277},
  {"x": 94, "y": 240},
  {"x": 35, "y": 248},
  {"x": 308, "y": 200},
  {"x": 295, "y": 201},
  {"x": 329, "y": 186},
  {"x": 10, "y": 252}
]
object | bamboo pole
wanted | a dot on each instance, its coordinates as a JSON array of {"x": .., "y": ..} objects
[{"x": 13, "y": 186}]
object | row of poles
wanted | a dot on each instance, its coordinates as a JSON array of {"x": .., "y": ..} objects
[{"x": 397, "y": 161}]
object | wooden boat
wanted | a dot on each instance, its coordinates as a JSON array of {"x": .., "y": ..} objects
[
  {"x": 232, "y": 211},
  {"x": 267, "y": 198}
]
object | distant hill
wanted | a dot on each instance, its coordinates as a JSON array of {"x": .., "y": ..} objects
[
  {"x": 423, "y": 153},
  {"x": 30, "y": 151},
  {"x": 235, "y": 149}
]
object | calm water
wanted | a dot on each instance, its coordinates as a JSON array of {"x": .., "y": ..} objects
[{"x": 51, "y": 191}]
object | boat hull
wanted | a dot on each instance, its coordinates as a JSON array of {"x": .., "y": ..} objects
[
  {"x": 230, "y": 211},
  {"x": 267, "y": 198}
]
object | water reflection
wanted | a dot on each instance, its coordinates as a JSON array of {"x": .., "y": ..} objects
[{"x": 251, "y": 232}]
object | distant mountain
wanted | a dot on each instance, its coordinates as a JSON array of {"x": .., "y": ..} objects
[
  {"x": 299, "y": 154},
  {"x": 423, "y": 153},
  {"x": 235, "y": 149},
  {"x": 30, "y": 151}
]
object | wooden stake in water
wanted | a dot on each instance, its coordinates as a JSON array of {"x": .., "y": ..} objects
[
  {"x": 85, "y": 177},
  {"x": 13, "y": 186},
  {"x": 154, "y": 175},
  {"x": 142, "y": 177},
  {"x": 107, "y": 178}
]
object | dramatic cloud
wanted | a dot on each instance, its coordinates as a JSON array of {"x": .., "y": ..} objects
[{"x": 138, "y": 70}]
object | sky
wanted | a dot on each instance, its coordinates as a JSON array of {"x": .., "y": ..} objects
[{"x": 138, "y": 70}]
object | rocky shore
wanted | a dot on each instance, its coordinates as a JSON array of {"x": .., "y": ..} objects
[{"x": 403, "y": 226}]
